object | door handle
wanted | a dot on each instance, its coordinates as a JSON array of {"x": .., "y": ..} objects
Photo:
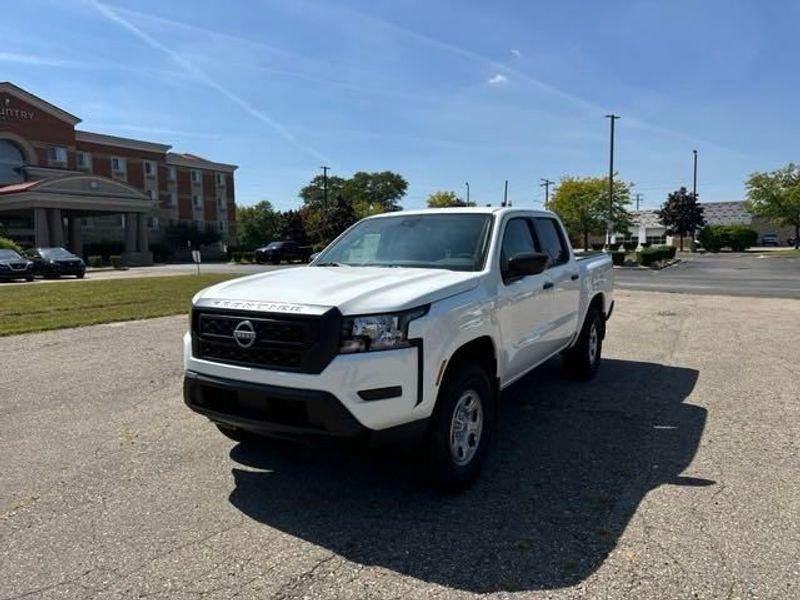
[
  {"x": 574, "y": 276},
  {"x": 547, "y": 285}
]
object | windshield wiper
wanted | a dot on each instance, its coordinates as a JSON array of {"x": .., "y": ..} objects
[{"x": 328, "y": 264}]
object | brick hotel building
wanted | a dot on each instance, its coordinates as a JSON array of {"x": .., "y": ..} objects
[{"x": 61, "y": 186}]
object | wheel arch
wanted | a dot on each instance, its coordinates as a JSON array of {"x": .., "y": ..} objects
[{"x": 480, "y": 350}]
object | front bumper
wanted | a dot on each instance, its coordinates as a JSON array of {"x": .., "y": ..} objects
[{"x": 285, "y": 412}]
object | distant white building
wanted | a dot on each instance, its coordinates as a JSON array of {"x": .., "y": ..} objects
[{"x": 648, "y": 227}]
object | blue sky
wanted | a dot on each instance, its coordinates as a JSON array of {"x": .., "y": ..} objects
[{"x": 442, "y": 92}]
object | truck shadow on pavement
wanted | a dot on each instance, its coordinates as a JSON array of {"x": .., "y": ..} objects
[{"x": 571, "y": 463}]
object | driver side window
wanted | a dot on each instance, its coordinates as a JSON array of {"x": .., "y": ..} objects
[{"x": 517, "y": 238}]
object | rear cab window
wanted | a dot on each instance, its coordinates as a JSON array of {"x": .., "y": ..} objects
[{"x": 552, "y": 240}]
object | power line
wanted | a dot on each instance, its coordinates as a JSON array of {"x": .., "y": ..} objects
[{"x": 546, "y": 183}]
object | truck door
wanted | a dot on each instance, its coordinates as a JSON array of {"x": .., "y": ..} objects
[
  {"x": 520, "y": 304},
  {"x": 563, "y": 297}
]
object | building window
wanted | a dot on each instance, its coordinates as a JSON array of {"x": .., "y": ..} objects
[
  {"x": 199, "y": 225},
  {"x": 220, "y": 179},
  {"x": 83, "y": 161},
  {"x": 171, "y": 199},
  {"x": 196, "y": 201},
  {"x": 171, "y": 173},
  {"x": 151, "y": 194},
  {"x": 149, "y": 168},
  {"x": 153, "y": 223},
  {"x": 118, "y": 164},
  {"x": 221, "y": 226},
  {"x": 195, "y": 176},
  {"x": 220, "y": 204},
  {"x": 57, "y": 154}
]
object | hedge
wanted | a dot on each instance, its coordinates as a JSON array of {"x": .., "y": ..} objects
[
  {"x": 116, "y": 261},
  {"x": 618, "y": 258},
  {"x": 95, "y": 261},
  {"x": 736, "y": 237},
  {"x": 239, "y": 257},
  {"x": 649, "y": 256}
]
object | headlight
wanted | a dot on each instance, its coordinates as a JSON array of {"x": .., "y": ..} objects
[{"x": 377, "y": 332}]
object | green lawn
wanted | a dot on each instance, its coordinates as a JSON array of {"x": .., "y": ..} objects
[{"x": 25, "y": 308}]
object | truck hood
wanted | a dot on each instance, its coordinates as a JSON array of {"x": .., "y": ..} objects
[{"x": 353, "y": 290}]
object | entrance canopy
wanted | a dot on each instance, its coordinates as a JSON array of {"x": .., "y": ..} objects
[{"x": 87, "y": 194}]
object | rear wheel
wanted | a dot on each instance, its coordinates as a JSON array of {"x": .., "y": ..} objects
[
  {"x": 583, "y": 359},
  {"x": 461, "y": 427}
]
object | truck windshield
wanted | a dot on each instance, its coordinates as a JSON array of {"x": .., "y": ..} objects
[{"x": 436, "y": 241}]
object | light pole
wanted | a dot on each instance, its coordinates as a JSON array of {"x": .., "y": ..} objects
[
  {"x": 610, "y": 228},
  {"x": 694, "y": 176},
  {"x": 638, "y": 198},
  {"x": 466, "y": 183},
  {"x": 325, "y": 185},
  {"x": 546, "y": 183},
  {"x": 505, "y": 194}
]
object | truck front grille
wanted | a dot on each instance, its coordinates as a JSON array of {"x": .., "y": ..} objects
[{"x": 303, "y": 344}]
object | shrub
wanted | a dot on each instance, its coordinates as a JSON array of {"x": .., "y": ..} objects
[
  {"x": 248, "y": 257},
  {"x": 630, "y": 246},
  {"x": 667, "y": 251},
  {"x": 116, "y": 261},
  {"x": 649, "y": 256},
  {"x": 103, "y": 249},
  {"x": 161, "y": 252},
  {"x": 236, "y": 257},
  {"x": 618, "y": 258},
  {"x": 9, "y": 244},
  {"x": 736, "y": 237},
  {"x": 95, "y": 261}
]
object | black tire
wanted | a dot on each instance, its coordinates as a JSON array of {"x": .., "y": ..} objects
[
  {"x": 29, "y": 278},
  {"x": 80, "y": 275},
  {"x": 468, "y": 381},
  {"x": 583, "y": 359},
  {"x": 276, "y": 261},
  {"x": 236, "y": 434}
]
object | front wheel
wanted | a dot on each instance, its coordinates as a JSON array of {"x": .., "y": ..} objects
[
  {"x": 583, "y": 359},
  {"x": 461, "y": 427}
]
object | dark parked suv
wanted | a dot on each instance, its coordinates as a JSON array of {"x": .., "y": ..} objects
[
  {"x": 55, "y": 262},
  {"x": 277, "y": 252},
  {"x": 13, "y": 266}
]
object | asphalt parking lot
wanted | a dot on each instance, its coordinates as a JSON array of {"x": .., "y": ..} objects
[
  {"x": 769, "y": 274},
  {"x": 674, "y": 474}
]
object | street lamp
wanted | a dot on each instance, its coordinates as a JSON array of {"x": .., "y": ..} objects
[
  {"x": 610, "y": 228},
  {"x": 466, "y": 183},
  {"x": 694, "y": 176}
]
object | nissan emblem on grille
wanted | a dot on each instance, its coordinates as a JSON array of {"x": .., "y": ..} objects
[{"x": 244, "y": 334}]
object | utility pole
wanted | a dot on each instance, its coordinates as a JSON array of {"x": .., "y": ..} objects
[
  {"x": 694, "y": 176},
  {"x": 325, "y": 185},
  {"x": 546, "y": 183},
  {"x": 466, "y": 183},
  {"x": 638, "y": 198},
  {"x": 505, "y": 194},
  {"x": 610, "y": 228}
]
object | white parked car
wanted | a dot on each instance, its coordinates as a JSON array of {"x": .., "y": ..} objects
[{"x": 407, "y": 326}]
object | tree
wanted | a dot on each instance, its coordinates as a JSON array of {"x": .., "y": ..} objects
[
  {"x": 257, "y": 225},
  {"x": 337, "y": 218},
  {"x": 372, "y": 193},
  {"x": 313, "y": 195},
  {"x": 776, "y": 196},
  {"x": 582, "y": 205},
  {"x": 446, "y": 199},
  {"x": 291, "y": 226},
  {"x": 681, "y": 214}
]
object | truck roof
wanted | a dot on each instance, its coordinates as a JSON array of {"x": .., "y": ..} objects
[{"x": 466, "y": 209}]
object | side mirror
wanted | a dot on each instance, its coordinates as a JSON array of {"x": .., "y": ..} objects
[{"x": 526, "y": 263}]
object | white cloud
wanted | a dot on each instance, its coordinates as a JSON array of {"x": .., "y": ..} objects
[
  {"x": 35, "y": 60},
  {"x": 498, "y": 79},
  {"x": 516, "y": 53}
]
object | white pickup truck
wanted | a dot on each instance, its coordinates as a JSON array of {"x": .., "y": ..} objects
[{"x": 408, "y": 325}]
